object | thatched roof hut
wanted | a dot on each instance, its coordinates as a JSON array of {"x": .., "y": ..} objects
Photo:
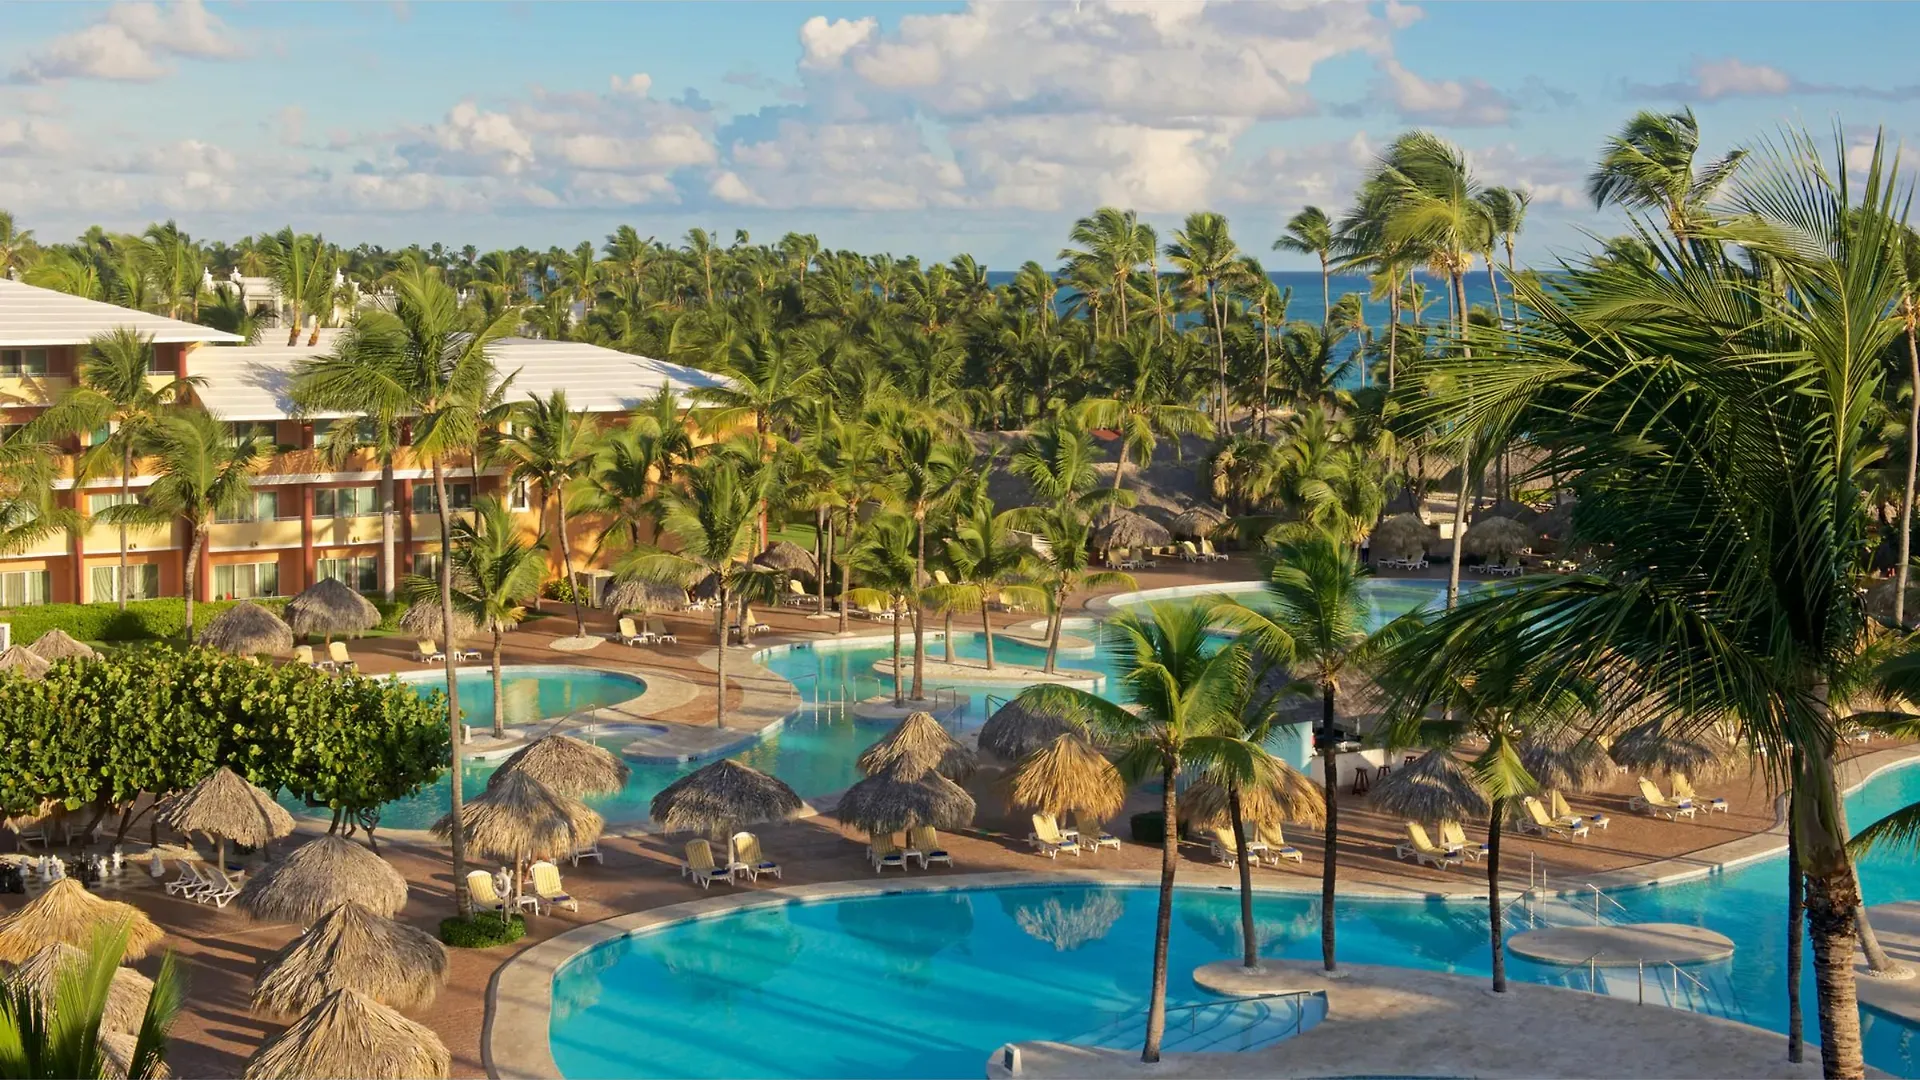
[
  {"x": 18, "y": 660},
  {"x": 318, "y": 876},
  {"x": 1197, "y": 522},
  {"x": 351, "y": 948},
  {"x": 116, "y": 1057},
  {"x": 719, "y": 798},
  {"x": 707, "y": 588},
  {"x": 1555, "y": 524},
  {"x": 426, "y": 620},
  {"x": 1509, "y": 508},
  {"x": 126, "y": 996},
  {"x": 1069, "y": 774},
  {"x": 1284, "y": 795},
  {"x": 68, "y": 914},
  {"x": 56, "y": 645},
  {"x": 1124, "y": 528},
  {"x": 348, "y": 1034},
  {"x": 1402, "y": 536},
  {"x": 521, "y": 818},
  {"x": 328, "y": 607},
  {"x": 1496, "y": 538},
  {"x": 897, "y": 799},
  {"x": 791, "y": 558},
  {"x": 1016, "y": 730},
  {"x": 1566, "y": 761},
  {"x": 635, "y": 594},
  {"x": 922, "y": 745},
  {"x": 570, "y": 766},
  {"x": 1433, "y": 787},
  {"x": 247, "y": 630},
  {"x": 225, "y": 806},
  {"x": 1660, "y": 746}
]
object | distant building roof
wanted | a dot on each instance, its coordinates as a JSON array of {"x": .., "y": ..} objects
[
  {"x": 30, "y": 315},
  {"x": 250, "y": 382}
]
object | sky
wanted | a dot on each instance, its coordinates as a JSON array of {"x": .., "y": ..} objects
[{"x": 918, "y": 128}]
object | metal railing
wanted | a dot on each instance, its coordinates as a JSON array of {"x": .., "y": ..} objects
[
  {"x": 1598, "y": 896},
  {"x": 1192, "y": 1012}
]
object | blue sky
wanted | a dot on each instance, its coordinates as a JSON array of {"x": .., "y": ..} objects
[{"x": 923, "y": 129}]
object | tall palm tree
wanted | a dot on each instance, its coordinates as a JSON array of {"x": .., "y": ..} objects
[
  {"x": 1185, "y": 697},
  {"x": 773, "y": 376},
  {"x": 993, "y": 565},
  {"x": 923, "y": 469},
  {"x": 17, "y": 246},
  {"x": 176, "y": 266},
  {"x": 1065, "y": 565},
  {"x": 301, "y": 266},
  {"x": 1507, "y": 210},
  {"x": 57, "y": 1034},
  {"x": 554, "y": 446},
  {"x": 888, "y": 562},
  {"x": 1116, "y": 242},
  {"x": 1209, "y": 261},
  {"x": 495, "y": 574},
  {"x": 1141, "y": 406},
  {"x": 1906, "y": 261},
  {"x": 1650, "y": 165},
  {"x": 1310, "y": 232}
]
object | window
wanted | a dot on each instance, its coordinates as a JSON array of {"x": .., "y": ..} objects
[
  {"x": 359, "y": 574},
  {"x": 346, "y": 502},
  {"x": 23, "y": 587},
  {"x": 8, "y": 431},
  {"x": 100, "y": 500},
  {"x": 239, "y": 431},
  {"x": 325, "y": 431},
  {"x": 163, "y": 362},
  {"x": 461, "y": 496},
  {"x": 98, "y": 436},
  {"x": 265, "y": 506},
  {"x": 519, "y": 498},
  {"x": 427, "y": 564},
  {"x": 17, "y": 362},
  {"x": 244, "y": 581},
  {"x": 143, "y": 582}
]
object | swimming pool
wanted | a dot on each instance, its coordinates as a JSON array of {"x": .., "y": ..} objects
[
  {"x": 930, "y": 983},
  {"x": 531, "y": 691}
]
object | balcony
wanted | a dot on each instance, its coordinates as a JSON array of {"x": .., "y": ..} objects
[
  {"x": 245, "y": 535},
  {"x": 102, "y": 537},
  {"x": 426, "y": 527},
  {"x": 29, "y": 390},
  {"x": 342, "y": 531},
  {"x": 54, "y": 543}
]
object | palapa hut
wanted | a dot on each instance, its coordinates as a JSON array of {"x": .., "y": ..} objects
[
  {"x": 56, "y": 645},
  {"x": 1565, "y": 761},
  {"x": 1496, "y": 539},
  {"x": 1434, "y": 787},
  {"x": 329, "y": 608},
  {"x": 1555, "y": 524},
  {"x": 646, "y": 597},
  {"x": 68, "y": 914},
  {"x": 318, "y": 876},
  {"x": 351, "y": 948},
  {"x": 116, "y": 1058},
  {"x": 348, "y": 1034},
  {"x": 1284, "y": 795},
  {"x": 1510, "y": 508},
  {"x": 922, "y": 745},
  {"x": 227, "y": 808},
  {"x": 247, "y": 630},
  {"x": 1659, "y": 745},
  {"x": 426, "y": 620},
  {"x": 895, "y": 800},
  {"x": 719, "y": 798},
  {"x": 1068, "y": 775},
  {"x": 789, "y": 558},
  {"x": 126, "y": 996},
  {"x": 521, "y": 819},
  {"x": 1197, "y": 522},
  {"x": 18, "y": 660},
  {"x": 1402, "y": 536},
  {"x": 1016, "y": 730},
  {"x": 569, "y": 766},
  {"x": 1124, "y": 528}
]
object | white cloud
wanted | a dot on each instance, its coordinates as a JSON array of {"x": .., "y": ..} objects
[
  {"x": 847, "y": 166},
  {"x": 1057, "y": 162},
  {"x": 473, "y": 141},
  {"x": 823, "y": 43},
  {"x": 31, "y": 138},
  {"x": 1441, "y": 101},
  {"x": 729, "y": 188},
  {"x": 635, "y": 85},
  {"x": 1299, "y": 174},
  {"x": 1732, "y": 76},
  {"x": 132, "y": 42},
  {"x": 670, "y": 147}
]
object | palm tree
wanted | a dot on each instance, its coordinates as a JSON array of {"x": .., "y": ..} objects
[
  {"x": 1142, "y": 408},
  {"x": 1650, "y": 166},
  {"x": 1309, "y": 232},
  {"x": 1906, "y": 262},
  {"x": 1209, "y": 261},
  {"x": 301, "y": 267},
  {"x": 923, "y": 470},
  {"x": 1185, "y": 696},
  {"x": 993, "y": 565},
  {"x": 773, "y": 376},
  {"x": 1507, "y": 211},
  {"x": 176, "y": 266},
  {"x": 17, "y": 247},
  {"x": 1065, "y": 565},
  {"x": 495, "y": 574},
  {"x": 1114, "y": 243},
  {"x": 888, "y": 561},
  {"x": 57, "y": 1034},
  {"x": 554, "y": 447}
]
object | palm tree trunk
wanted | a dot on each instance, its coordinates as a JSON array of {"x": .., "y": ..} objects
[
  {"x": 1120, "y": 466},
  {"x": 822, "y": 549},
  {"x": 1493, "y": 283},
  {"x": 192, "y": 573},
  {"x": 845, "y": 580},
  {"x": 1249, "y": 941},
  {"x": 499, "y": 699},
  {"x": 1913, "y": 463},
  {"x": 919, "y": 610},
  {"x": 1466, "y": 460},
  {"x": 946, "y": 632},
  {"x": 986, "y": 628},
  {"x": 720, "y": 656},
  {"x": 566, "y": 563},
  {"x": 1326, "y": 295},
  {"x": 1330, "y": 850},
  {"x": 1796, "y": 911},
  {"x": 1220, "y": 349},
  {"x": 456, "y": 835},
  {"x": 1833, "y": 896},
  {"x": 387, "y": 568},
  {"x": 1163, "y": 922},
  {"x": 1266, "y": 368},
  {"x": 126, "y": 485},
  {"x": 1053, "y": 631},
  {"x": 1494, "y": 910},
  {"x": 899, "y": 694},
  {"x": 1393, "y": 331}
]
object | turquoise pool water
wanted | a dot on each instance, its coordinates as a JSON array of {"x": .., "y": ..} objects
[
  {"x": 929, "y": 984},
  {"x": 531, "y": 691}
]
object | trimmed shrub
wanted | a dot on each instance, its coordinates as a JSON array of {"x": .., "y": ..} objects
[
  {"x": 483, "y": 931},
  {"x": 1148, "y": 828},
  {"x": 144, "y": 620},
  {"x": 559, "y": 589}
]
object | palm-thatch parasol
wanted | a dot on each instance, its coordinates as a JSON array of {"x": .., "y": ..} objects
[
  {"x": 19, "y": 660},
  {"x": 349, "y": 1034},
  {"x": 126, "y": 996},
  {"x": 227, "y": 808},
  {"x": 1555, "y": 524},
  {"x": 635, "y": 594},
  {"x": 318, "y": 876},
  {"x": 247, "y": 630},
  {"x": 707, "y": 588},
  {"x": 1509, "y": 508},
  {"x": 899, "y": 799},
  {"x": 521, "y": 818},
  {"x": 1197, "y": 522},
  {"x": 1016, "y": 730},
  {"x": 1402, "y": 536},
  {"x": 1496, "y": 538},
  {"x": 717, "y": 799},
  {"x": 922, "y": 744},
  {"x": 1069, "y": 774},
  {"x": 56, "y": 645},
  {"x": 428, "y": 621},
  {"x": 329, "y": 607},
  {"x": 1124, "y": 528},
  {"x": 1565, "y": 761},
  {"x": 1433, "y": 787},
  {"x": 351, "y": 948},
  {"x": 116, "y": 1057},
  {"x": 790, "y": 558},
  {"x": 67, "y": 913},
  {"x": 569, "y": 766},
  {"x": 1285, "y": 795},
  {"x": 1657, "y": 746}
]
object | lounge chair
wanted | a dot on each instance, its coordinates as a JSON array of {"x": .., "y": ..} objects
[
  {"x": 1454, "y": 838},
  {"x": 748, "y": 857},
  {"x": 1119, "y": 559},
  {"x": 1094, "y": 834},
  {"x": 658, "y": 628},
  {"x": 700, "y": 866},
  {"x": 940, "y": 578},
  {"x": 480, "y": 887},
  {"x": 1049, "y": 839},
  {"x": 1210, "y": 555},
  {"x": 591, "y": 851},
  {"x": 926, "y": 845},
  {"x": 885, "y": 851},
  {"x": 460, "y": 653},
  {"x": 1558, "y": 810},
  {"x": 428, "y": 652},
  {"x": 1422, "y": 849},
  {"x": 303, "y": 655},
  {"x": 1683, "y": 792},
  {"x": 630, "y": 634},
  {"x": 873, "y": 610},
  {"x": 1539, "y": 821},
  {"x": 752, "y": 622},
  {"x": 547, "y": 888},
  {"x": 1225, "y": 850},
  {"x": 339, "y": 659},
  {"x": 1277, "y": 846},
  {"x": 1189, "y": 552},
  {"x": 1656, "y": 804},
  {"x": 797, "y": 595},
  {"x": 220, "y": 889},
  {"x": 187, "y": 883}
]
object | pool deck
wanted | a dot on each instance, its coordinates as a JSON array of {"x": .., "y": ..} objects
[{"x": 1622, "y": 944}]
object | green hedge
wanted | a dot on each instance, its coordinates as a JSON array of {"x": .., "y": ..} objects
[
  {"x": 483, "y": 931},
  {"x": 143, "y": 619}
]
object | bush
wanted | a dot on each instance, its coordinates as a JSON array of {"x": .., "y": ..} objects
[
  {"x": 145, "y": 620},
  {"x": 1149, "y": 828},
  {"x": 483, "y": 931},
  {"x": 559, "y": 589}
]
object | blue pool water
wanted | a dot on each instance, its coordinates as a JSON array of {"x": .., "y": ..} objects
[
  {"x": 531, "y": 691},
  {"x": 929, "y": 984}
]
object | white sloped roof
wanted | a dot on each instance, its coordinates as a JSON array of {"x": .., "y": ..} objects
[
  {"x": 250, "y": 382},
  {"x": 30, "y": 315}
]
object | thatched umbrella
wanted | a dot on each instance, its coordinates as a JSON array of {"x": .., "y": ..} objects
[
  {"x": 569, "y": 766},
  {"x": 1124, "y": 528},
  {"x": 18, "y": 660},
  {"x": 329, "y": 607},
  {"x": 1069, "y": 774},
  {"x": 716, "y": 799},
  {"x": 1402, "y": 536},
  {"x": 227, "y": 808},
  {"x": 1496, "y": 538},
  {"x": 116, "y": 1057},
  {"x": 1433, "y": 787},
  {"x": 1016, "y": 730},
  {"x": 1656, "y": 746},
  {"x": 1197, "y": 522},
  {"x": 922, "y": 744},
  {"x": 126, "y": 996},
  {"x": 428, "y": 621},
  {"x": 521, "y": 818},
  {"x": 318, "y": 876},
  {"x": 56, "y": 645},
  {"x": 707, "y": 588},
  {"x": 351, "y": 948},
  {"x": 246, "y": 630},
  {"x": 1287, "y": 795},
  {"x": 1555, "y": 524},
  {"x": 67, "y": 913},
  {"x": 634, "y": 594},
  {"x": 790, "y": 558},
  {"x": 1508, "y": 508},
  {"x": 1566, "y": 761},
  {"x": 349, "y": 1034},
  {"x": 897, "y": 799}
]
